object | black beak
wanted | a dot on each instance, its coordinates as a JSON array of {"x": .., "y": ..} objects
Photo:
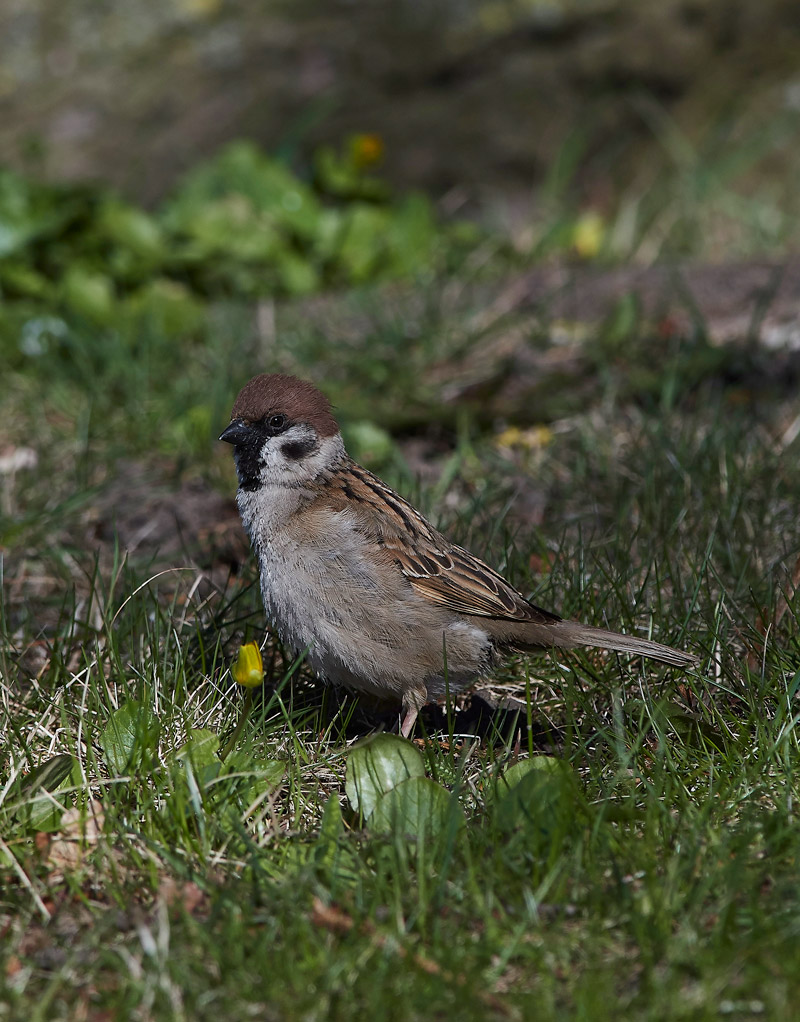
[{"x": 237, "y": 433}]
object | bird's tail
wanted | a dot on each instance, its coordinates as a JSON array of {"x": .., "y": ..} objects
[{"x": 572, "y": 633}]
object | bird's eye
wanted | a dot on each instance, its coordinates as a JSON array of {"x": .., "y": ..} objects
[{"x": 277, "y": 423}]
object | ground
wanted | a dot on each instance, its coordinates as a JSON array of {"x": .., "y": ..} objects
[{"x": 642, "y": 478}]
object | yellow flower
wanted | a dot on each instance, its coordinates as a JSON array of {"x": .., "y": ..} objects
[
  {"x": 509, "y": 437},
  {"x": 366, "y": 150},
  {"x": 249, "y": 667},
  {"x": 534, "y": 439},
  {"x": 588, "y": 234}
]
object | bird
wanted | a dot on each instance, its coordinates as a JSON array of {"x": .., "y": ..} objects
[{"x": 352, "y": 574}]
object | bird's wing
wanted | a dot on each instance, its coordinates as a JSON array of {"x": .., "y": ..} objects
[
  {"x": 456, "y": 579},
  {"x": 440, "y": 571}
]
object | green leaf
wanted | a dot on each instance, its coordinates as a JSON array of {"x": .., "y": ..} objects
[
  {"x": 48, "y": 775},
  {"x": 362, "y": 244},
  {"x": 167, "y": 306},
  {"x": 31, "y": 211},
  {"x": 265, "y": 186},
  {"x": 541, "y": 797},
  {"x": 296, "y": 274},
  {"x": 619, "y": 327},
  {"x": 17, "y": 279},
  {"x": 342, "y": 176},
  {"x": 411, "y": 235},
  {"x": 418, "y": 807},
  {"x": 200, "y": 748},
  {"x": 231, "y": 227},
  {"x": 89, "y": 294},
  {"x": 377, "y": 766},
  {"x": 368, "y": 443},
  {"x": 255, "y": 777},
  {"x": 36, "y": 791},
  {"x": 132, "y": 229},
  {"x": 131, "y": 731},
  {"x": 267, "y": 776},
  {"x": 512, "y": 775}
]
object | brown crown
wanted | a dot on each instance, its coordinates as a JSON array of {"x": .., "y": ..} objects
[{"x": 299, "y": 400}]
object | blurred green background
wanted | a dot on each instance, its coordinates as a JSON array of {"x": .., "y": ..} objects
[
  {"x": 481, "y": 101},
  {"x": 171, "y": 171}
]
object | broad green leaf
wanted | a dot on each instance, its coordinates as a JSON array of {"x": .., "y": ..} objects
[
  {"x": 418, "y": 807},
  {"x": 267, "y": 776},
  {"x": 368, "y": 443},
  {"x": 131, "y": 730},
  {"x": 42, "y": 814},
  {"x": 541, "y": 798},
  {"x": 245, "y": 779},
  {"x": 36, "y": 807},
  {"x": 242, "y": 171},
  {"x": 48, "y": 775},
  {"x": 132, "y": 229},
  {"x": 200, "y": 748},
  {"x": 268, "y": 770},
  {"x": 325, "y": 242},
  {"x": 512, "y": 775},
  {"x": 169, "y": 307},
  {"x": 362, "y": 244},
  {"x": 296, "y": 274},
  {"x": 19, "y": 279},
  {"x": 232, "y": 227},
  {"x": 30, "y": 211},
  {"x": 89, "y": 294},
  {"x": 343, "y": 175},
  {"x": 377, "y": 766}
]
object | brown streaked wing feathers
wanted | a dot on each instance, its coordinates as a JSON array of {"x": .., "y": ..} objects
[
  {"x": 445, "y": 574},
  {"x": 469, "y": 586}
]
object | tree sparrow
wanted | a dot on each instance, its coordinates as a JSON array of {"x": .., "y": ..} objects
[{"x": 382, "y": 602}]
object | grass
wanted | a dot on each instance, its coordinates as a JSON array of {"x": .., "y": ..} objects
[
  {"x": 662, "y": 886},
  {"x": 656, "y": 877}
]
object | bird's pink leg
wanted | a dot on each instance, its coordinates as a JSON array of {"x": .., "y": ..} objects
[
  {"x": 413, "y": 701},
  {"x": 409, "y": 720}
]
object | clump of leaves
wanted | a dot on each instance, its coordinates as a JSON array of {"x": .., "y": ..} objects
[
  {"x": 243, "y": 224},
  {"x": 386, "y": 786}
]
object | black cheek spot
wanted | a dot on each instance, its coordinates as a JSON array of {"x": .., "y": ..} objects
[{"x": 294, "y": 450}]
